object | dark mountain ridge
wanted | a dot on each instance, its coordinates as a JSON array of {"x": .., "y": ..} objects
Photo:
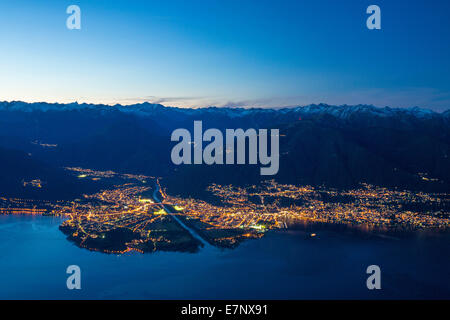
[
  {"x": 18, "y": 169},
  {"x": 339, "y": 146}
]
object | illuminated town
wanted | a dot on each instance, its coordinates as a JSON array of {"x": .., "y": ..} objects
[
  {"x": 135, "y": 213},
  {"x": 273, "y": 205}
]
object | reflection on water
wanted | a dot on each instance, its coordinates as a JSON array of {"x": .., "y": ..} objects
[
  {"x": 282, "y": 265},
  {"x": 363, "y": 230}
]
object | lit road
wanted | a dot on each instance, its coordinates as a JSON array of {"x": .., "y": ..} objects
[{"x": 192, "y": 232}]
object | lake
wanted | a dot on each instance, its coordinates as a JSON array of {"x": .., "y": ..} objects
[{"x": 281, "y": 265}]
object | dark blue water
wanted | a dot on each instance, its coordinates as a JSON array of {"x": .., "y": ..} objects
[{"x": 34, "y": 256}]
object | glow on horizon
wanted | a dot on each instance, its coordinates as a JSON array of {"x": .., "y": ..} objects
[{"x": 417, "y": 97}]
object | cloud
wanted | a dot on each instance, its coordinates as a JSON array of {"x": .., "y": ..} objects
[
  {"x": 407, "y": 97},
  {"x": 182, "y": 101}
]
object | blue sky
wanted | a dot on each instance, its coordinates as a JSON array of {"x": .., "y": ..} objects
[{"x": 227, "y": 53}]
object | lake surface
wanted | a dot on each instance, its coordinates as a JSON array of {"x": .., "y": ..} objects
[{"x": 282, "y": 265}]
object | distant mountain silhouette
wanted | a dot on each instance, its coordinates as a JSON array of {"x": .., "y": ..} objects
[{"x": 339, "y": 146}]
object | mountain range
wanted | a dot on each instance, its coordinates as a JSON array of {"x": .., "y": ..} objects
[{"x": 338, "y": 146}]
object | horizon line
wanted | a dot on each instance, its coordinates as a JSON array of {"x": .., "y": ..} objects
[{"x": 228, "y": 106}]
